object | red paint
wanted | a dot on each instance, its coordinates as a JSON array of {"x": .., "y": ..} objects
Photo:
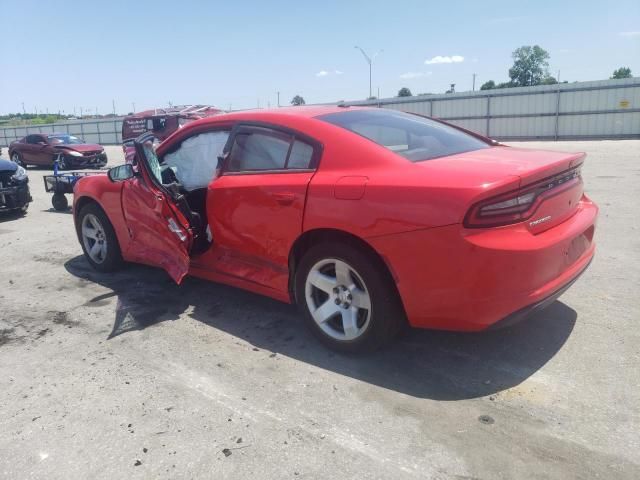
[{"x": 448, "y": 276}]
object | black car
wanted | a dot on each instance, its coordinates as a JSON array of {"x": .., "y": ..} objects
[{"x": 14, "y": 187}]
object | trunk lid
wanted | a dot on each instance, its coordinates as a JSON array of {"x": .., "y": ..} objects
[{"x": 553, "y": 176}]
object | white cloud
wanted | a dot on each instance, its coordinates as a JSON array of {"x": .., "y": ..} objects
[
  {"x": 325, "y": 73},
  {"x": 629, "y": 34},
  {"x": 447, "y": 59},
  {"x": 411, "y": 75}
]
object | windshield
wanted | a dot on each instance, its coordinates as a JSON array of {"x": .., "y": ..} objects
[
  {"x": 414, "y": 137},
  {"x": 64, "y": 140}
]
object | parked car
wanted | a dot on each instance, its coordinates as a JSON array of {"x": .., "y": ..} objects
[
  {"x": 366, "y": 218},
  {"x": 44, "y": 149},
  {"x": 14, "y": 187}
]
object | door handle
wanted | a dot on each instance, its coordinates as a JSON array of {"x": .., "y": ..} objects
[{"x": 284, "y": 198}]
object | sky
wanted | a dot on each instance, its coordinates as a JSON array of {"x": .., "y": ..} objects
[{"x": 66, "y": 55}]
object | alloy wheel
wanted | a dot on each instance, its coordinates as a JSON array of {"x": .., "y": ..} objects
[
  {"x": 15, "y": 158},
  {"x": 338, "y": 299},
  {"x": 94, "y": 238}
]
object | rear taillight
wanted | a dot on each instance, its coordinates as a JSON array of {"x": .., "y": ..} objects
[{"x": 519, "y": 205}]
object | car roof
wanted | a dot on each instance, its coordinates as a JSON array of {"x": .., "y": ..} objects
[{"x": 300, "y": 111}]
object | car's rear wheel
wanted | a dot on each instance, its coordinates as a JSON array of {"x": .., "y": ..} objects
[
  {"x": 98, "y": 239},
  {"x": 349, "y": 303},
  {"x": 17, "y": 158}
]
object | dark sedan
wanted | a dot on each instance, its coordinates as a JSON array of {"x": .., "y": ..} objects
[
  {"x": 14, "y": 187},
  {"x": 44, "y": 149}
]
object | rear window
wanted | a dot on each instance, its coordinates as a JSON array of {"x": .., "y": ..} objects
[{"x": 415, "y": 138}]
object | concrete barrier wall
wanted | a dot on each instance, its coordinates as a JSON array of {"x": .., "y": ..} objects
[
  {"x": 568, "y": 111},
  {"x": 580, "y": 110},
  {"x": 104, "y": 132}
]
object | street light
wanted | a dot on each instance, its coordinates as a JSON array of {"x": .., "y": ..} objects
[{"x": 370, "y": 62}]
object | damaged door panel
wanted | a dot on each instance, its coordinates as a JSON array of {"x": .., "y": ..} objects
[{"x": 160, "y": 233}]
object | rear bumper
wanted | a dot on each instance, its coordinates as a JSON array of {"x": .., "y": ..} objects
[
  {"x": 14, "y": 197},
  {"x": 529, "y": 310},
  {"x": 452, "y": 278}
]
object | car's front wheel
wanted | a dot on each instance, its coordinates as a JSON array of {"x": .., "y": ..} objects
[
  {"x": 63, "y": 162},
  {"x": 98, "y": 239},
  {"x": 349, "y": 302},
  {"x": 17, "y": 159}
]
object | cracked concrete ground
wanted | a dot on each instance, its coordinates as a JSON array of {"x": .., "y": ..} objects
[{"x": 130, "y": 376}]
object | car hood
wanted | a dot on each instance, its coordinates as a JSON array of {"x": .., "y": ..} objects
[
  {"x": 82, "y": 147},
  {"x": 7, "y": 166}
]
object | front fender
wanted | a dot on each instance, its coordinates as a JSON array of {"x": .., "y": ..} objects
[{"x": 108, "y": 195}]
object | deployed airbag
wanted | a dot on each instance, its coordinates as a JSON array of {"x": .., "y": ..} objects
[{"x": 195, "y": 162}]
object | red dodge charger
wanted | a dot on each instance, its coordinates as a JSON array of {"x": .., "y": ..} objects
[{"x": 366, "y": 218}]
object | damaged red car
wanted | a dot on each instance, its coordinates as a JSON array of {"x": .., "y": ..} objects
[
  {"x": 68, "y": 150},
  {"x": 365, "y": 218}
]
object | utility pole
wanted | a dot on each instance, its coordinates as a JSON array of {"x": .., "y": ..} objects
[
  {"x": 80, "y": 112},
  {"x": 370, "y": 62},
  {"x": 558, "y": 79},
  {"x": 473, "y": 88},
  {"x": 278, "y": 99},
  {"x": 133, "y": 104},
  {"x": 24, "y": 112},
  {"x": 113, "y": 104}
]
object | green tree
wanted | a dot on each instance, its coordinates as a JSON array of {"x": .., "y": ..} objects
[
  {"x": 622, "y": 72},
  {"x": 530, "y": 66},
  {"x": 404, "y": 92},
  {"x": 297, "y": 101},
  {"x": 490, "y": 85},
  {"x": 549, "y": 80}
]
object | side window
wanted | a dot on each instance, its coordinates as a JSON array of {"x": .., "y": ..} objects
[
  {"x": 300, "y": 156},
  {"x": 34, "y": 139},
  {"x": 258, "y": 151}
]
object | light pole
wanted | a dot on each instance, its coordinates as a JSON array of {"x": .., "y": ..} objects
[{"x": 370, "y": 62}]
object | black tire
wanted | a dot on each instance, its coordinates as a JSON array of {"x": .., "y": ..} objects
[
  {"x": 63, "y": 162},
  {"x": 59, "y": 202},
  {"x": 113, "y": 258},
  {"x": 386, "y": 315},
  {"x": 17, "y": 158}
]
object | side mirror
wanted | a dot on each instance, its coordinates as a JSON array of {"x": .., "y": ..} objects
[
  {"x": 121, "y": 173},
  {"x": 42, "y": 144}
]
